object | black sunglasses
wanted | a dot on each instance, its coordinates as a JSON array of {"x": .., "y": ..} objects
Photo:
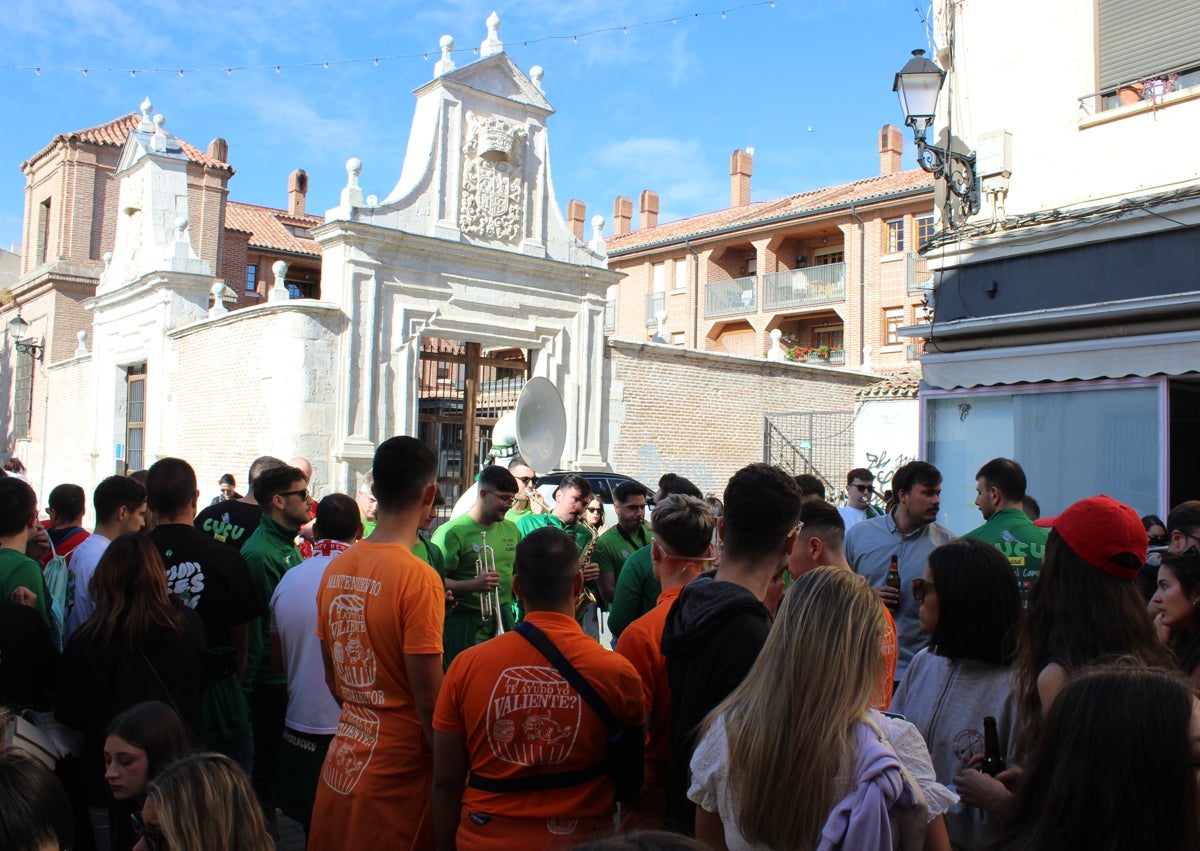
[
  {"x": 920, "y": 588},
  {"x": 153, "y": 838}
]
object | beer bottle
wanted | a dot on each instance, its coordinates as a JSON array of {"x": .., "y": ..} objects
[
  {"x": 893, "y": 577},
  {"x": 993, "y": 762}
]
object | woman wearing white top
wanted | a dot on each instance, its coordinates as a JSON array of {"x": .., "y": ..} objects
[{"x": 795, "y": 758}]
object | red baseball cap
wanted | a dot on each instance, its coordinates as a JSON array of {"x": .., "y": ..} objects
[{"x": 1105, "y": 533}]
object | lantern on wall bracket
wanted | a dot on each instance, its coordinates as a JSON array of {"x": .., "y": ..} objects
[
  {"x": 17, "y": 328},
  {"x": 918, "y": 84}
]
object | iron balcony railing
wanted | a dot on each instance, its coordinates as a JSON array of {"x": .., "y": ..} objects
[
  {"x": 804, "y": 287},
  {"x": 654, "y": 303},
  {"x": 832, "y": 358},
  {"x": 729, "y": 298},
  {"x": 918, "y": 276}
]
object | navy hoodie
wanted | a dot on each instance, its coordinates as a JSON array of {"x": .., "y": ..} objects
[{"x": 712, "y": 636}]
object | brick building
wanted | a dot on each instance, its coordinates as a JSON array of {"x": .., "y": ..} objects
[{"x": 835, "y": 270}]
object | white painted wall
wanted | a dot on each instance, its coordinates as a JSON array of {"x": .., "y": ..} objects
[{"x": 886, "y": 436}]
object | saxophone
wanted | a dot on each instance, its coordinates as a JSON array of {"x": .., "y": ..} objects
[{"x": 588, "y": 596}]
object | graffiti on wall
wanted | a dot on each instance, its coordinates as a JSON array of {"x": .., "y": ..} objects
[{"x": 884, "y": 467}]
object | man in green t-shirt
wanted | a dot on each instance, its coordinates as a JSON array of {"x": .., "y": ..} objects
[
  {"x": 461, "y": 541},
  {"x": 617, "y": 544},
  {"x": 637, "y": 590},
  {"x": 999, "y": 492},
  {"x": 18, "y": 520}
]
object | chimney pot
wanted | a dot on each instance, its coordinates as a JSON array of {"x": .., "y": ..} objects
[
  {"x": 218, "y": 149},
  {"x": 297, "y": 190},
  {"x": 622, "y": 215},
  {"x": 648, "y": 209},
  {"x": 576, "y": 213},
  {"x": 891, "y": 150},
  {"x": 741, "y": 168}
]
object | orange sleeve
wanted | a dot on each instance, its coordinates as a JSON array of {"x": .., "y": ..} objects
[
  {"x": 634, "y": 646},
  {"x": 421, "y": 607}
]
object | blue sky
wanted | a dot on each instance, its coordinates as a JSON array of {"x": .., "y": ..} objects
[{"x": 660, "y": 107}]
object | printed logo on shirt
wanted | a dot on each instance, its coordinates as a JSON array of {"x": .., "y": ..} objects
[
  {"x": 353, "y": 658},
  {"x": 187, "y": 580},
  {"x": 967, "y": 743},
  {"x": 351, "y": 750},
  {"x": 533, "y": 716},
  {"x": 222, "y": 529}
]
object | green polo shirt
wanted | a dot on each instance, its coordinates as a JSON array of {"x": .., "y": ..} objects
[
  {"x": 614, "y": 548},
  {"x": 1024, "y": 545},
  {"x": 19, "y": 570}
]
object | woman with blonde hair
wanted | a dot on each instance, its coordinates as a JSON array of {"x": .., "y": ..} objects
[
  {"x": 202, "y": 803},
  {"x": 795, "y": 757}
]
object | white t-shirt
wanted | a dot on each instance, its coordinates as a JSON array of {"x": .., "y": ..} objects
[
  {"x": 710, "y": 787},
  {"x": 311, "y": 708},
  {"x": 82, "y": 563},
  {"x": 851, "y": 515}
]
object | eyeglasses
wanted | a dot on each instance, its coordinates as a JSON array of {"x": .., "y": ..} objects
[
  {"x": 152, "y": 836},
  {"x": 920, "y": 588},
  {"x": 505, "y": 498},
  {"x": 529, "y": 480},
  {"x": 302, "y": 494},
  {"x": 862, "y": 488}
]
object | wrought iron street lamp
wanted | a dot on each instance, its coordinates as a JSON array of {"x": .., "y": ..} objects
[
  {"x": 918, "y": 84},
  {"x": 16, "y": 329}
]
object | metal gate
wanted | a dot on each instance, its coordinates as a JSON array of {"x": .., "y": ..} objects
[
  {"x": 462, "y": 391},
  {"x": 818, "y": 443}
]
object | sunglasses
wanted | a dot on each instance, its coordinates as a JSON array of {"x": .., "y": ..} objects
[
  {"x": 920, "y": 588},
  {"x": 862, "y": 488},
  {"x": 529, "y": 480},
  {"x": 152, "y": 836},
  {"x": 302, "y": 494}
]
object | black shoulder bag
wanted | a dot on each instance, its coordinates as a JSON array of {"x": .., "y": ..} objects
[{"x": 624, "y": 759}]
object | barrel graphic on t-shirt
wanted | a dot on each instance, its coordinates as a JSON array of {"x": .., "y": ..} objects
[
  {"x": 351, "y": 749},
  {"x": 533, "y": 716},
  {"x": 353, "y": 658}
]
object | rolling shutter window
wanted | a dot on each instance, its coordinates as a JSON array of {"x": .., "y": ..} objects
[{"x": 1146, "y": 38}]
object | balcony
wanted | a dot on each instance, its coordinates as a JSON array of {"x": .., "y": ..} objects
[
  {"x": 610, "y": 316},
  {"x": 806, "y": 287},
  {"x": 917, "y": 276},
  {"x": 834, "y": 357},
  {"x": 654, "y": 303},
  {"x": 731, "y": 298}
]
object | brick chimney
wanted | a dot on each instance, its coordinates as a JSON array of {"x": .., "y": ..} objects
[
  {"x": 741, "y": 167},
  {"x": 648, "y": 209},
  {"x": 297, "y": 189},
  {"x": 218, "y": 149},
  {"x": 891, "y": 150},
  {"x": 576, "y": 213},
  {"x": 622, "y": 215}
]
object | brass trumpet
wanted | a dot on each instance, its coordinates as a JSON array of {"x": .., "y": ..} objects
[
  {"x": 535, "y": 496},
  {"x": 489, "y": 602}
]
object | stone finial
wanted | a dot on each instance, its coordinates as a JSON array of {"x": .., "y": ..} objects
[
  {"x": 660, "y": 334},
  {"x": 159, "y": 141},
  {"x": 776, "y": 351},
  {"x": 597, "y": 243},
  {"x": 181, "y": 226},
  {"x": 491, "y": 45},
  {"x": 444, "y": 65},
  {"x": 536, "y": 73},
  {"x": 146, "y": 125},
  {"x": 278, "y": 290},
  {"x": 352, "y": 195},
  {"x": 222, "y": 295},
  {"x": 80, "y": 343}
]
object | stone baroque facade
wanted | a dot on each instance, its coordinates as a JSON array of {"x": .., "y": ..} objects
[{"x": 469, "y": 246}]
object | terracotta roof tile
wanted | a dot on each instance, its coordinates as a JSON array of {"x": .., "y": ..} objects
[
  {"x": 903, "y": 384},
  {"x": 268, "y": 228},
  {"x": 860, "y": 191},
  {"x": 115, "y": 133}
]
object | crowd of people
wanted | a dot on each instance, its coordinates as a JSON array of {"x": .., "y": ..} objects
[{"x": 784, "y": 673}]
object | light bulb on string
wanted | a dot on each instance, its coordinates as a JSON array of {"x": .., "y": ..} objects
[
  {"x": 180, "y": 72},
  {"x": 277, "y": 69},
  {"x": 376, "y": 63},
  {"x": 37, "y": 71},
  {"x": 722, "y": 16},
  {"x": 133, "y": 73},
  {"x": 325, "y": 65}
]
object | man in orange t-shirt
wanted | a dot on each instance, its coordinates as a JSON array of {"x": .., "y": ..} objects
[
  {"x": 822, "y": 531},
  {"x": 682, "y": 548},
  {"x": 519, "y": 754},
  {"x": 380, "y": 613}
]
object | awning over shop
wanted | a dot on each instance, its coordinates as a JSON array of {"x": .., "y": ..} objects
[{"x": 1114, "y": 357}]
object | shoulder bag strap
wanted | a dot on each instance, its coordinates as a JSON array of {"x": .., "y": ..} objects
[{"x": 555, "y": 657}]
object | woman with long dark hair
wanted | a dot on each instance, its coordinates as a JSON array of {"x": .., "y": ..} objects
[
  {"x": 1114, "y": 768},
  {"x": 970, "y": 608},
  {"x": 140, "y": 643},
  {"x": 1175, "y": 601},
  {"x": 1084, "y": 610}
]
